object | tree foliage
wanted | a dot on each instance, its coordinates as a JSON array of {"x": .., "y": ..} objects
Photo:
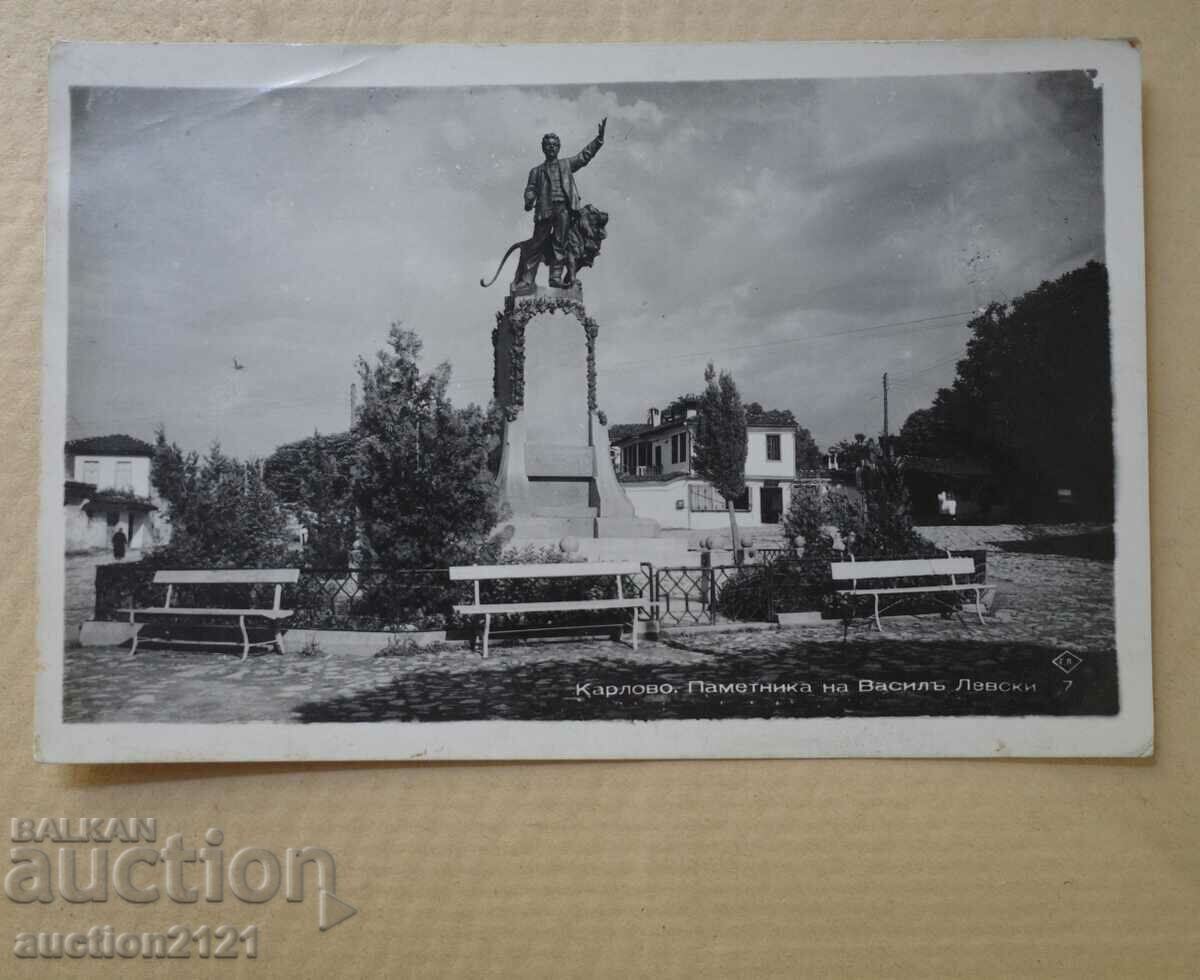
[
  {"x": 875, "y": 522},
  {"x": 314, "y": 477},
  {"x": 1033, "y": 396},
  {"x": 220, "y": 510},
  {"x": 757, "y": 415},
  {"x": 808, "y": 454},
  {"x": 853, "y": 453},
  {"x": 424, "y": 495},
  {"x": 720, "y": 442},
  {"x": 885, "y": 529}
]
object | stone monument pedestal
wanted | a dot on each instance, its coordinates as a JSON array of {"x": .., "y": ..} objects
[{"x": 556, "y": 475}]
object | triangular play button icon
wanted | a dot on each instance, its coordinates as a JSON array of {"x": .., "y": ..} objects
[{"x": 332, "y": 911}]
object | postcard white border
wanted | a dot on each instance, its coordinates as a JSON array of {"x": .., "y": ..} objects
[{"x": 1130, "y": 733}]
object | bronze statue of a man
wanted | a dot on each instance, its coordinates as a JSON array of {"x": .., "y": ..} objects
[{"x": 551, "y": 194}]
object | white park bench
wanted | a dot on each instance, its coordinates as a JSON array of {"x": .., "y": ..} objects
[
  {"x": 485, "y": 573},
  {"x": 279, "y": 577},
  {"x": 883, "y": 571}
]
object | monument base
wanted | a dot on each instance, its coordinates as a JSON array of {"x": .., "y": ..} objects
[
  {"x": 556, "y": 475},
  {"x": 547, "y": 528},
  {"x": 626, "y": 527}
]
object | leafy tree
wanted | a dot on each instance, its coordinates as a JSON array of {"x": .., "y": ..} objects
[
  {"x": 424, "y": 495},
  {"x": 757, "y": 415},
  {"x": 315, "y": 477},
  {"x": 925, "y": 433},
  {"x": 720, "y": 444},
  {"x": 1033, "y": 396},
  {"x": 220, "y": 510},
  {"x": 808, "y": 454},
  {"x": 678, "y": 407},
  {"x": 853, "y": 453}
]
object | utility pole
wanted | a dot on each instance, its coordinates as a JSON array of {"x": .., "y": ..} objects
[
  {"x": 885, "y": 414},
  {"x": 353, "y": 403},
  {"x": 885, "y": 405}
]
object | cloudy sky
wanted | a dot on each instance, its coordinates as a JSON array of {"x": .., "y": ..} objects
[{"x": 807, "y": 235}]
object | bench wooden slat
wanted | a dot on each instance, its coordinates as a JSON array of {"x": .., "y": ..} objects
[
  {"x": 190, "y": 611},
  {"x": 519, "y": 607},
  {"x": 228, "y": 576},
  {"x": 888, "y": 590},
  {"x": 856, "y": 571},
  {"x": 278, "y": 577},
  {"x": 906, "y": 568},
  {"x": 573, "y": 569}
]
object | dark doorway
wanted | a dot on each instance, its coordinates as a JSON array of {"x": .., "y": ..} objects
[{"x": 771, "y": 500}]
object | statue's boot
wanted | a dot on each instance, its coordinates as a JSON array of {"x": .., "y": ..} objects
[{"x": 556, "y": 276}]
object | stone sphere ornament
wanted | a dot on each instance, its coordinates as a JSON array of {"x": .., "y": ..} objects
[{"x": 568, "y": 545}]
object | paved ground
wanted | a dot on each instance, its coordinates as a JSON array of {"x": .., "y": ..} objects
[{"x": 1047, "y": 604}]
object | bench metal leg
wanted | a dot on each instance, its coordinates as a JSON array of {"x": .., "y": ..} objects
[
  {"x": 279, "y": 642},
  {"x": 979, "y": 605},
  {"x": 877, "y": 622},
  {"x": 245, "y": 638},
  {"x": 487, "y": 628},
  {"x": 633, "y": 629},
  {"x": 133, "y": 649}
]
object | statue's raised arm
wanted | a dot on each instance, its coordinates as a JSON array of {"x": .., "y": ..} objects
[{"x": 584, "y": 156}]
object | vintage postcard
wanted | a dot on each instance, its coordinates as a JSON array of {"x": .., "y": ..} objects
[{"x": 619, "y": 401}]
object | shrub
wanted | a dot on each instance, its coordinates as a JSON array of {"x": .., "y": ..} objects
[
  {"x": 551, "y": 590},
  {"x": 758, "y": 593},
  {"x": 876, "y": 526}
]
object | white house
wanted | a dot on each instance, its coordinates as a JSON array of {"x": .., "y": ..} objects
[
  {"x": 108, "y": 487},
  {"x": 657, "y": 475}
]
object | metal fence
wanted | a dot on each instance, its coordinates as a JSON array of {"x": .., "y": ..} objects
[
  {"x": 753, "y": 592},
  {"x": 768, "y": 583}
]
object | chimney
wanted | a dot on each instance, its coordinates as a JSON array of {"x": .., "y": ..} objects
[{"x": 652, "y": 417}]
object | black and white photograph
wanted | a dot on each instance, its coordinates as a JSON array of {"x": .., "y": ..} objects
[{"x": 616, "y": 401}]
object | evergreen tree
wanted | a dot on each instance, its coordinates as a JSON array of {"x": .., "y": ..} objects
[{"x": 720, "y": 445}]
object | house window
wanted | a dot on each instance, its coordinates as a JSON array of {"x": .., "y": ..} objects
[
  {"x": 124, "y": 475},
  {"x": 679, "y": 448},
  {"x": 705, "y": 499},
  {"x": 91, "y": 471},
  {"x": 774, "y": 449}
]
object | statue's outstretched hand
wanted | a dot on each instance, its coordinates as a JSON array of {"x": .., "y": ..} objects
[{"x": 603, "y": 123}]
